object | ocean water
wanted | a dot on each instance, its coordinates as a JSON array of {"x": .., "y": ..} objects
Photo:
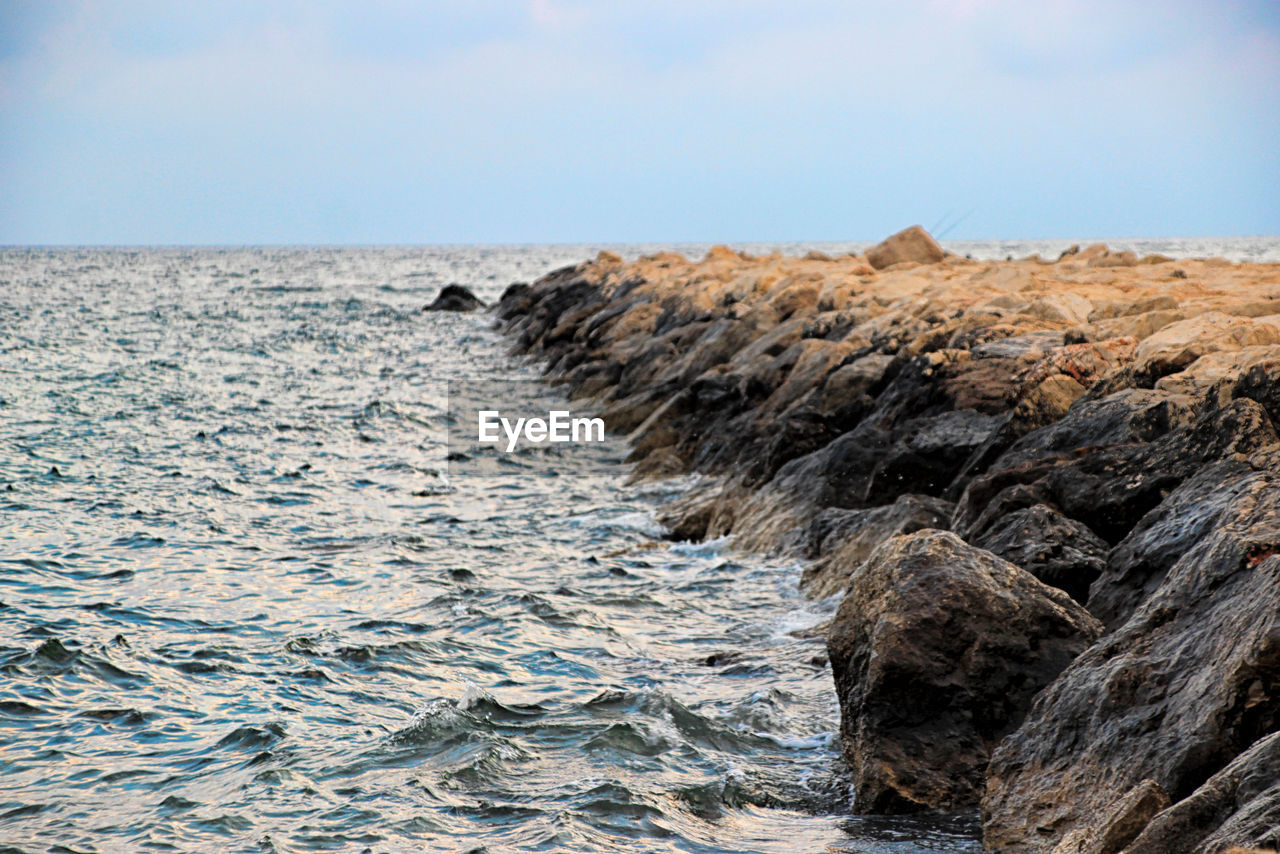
[{"x": 243, "y": 607}]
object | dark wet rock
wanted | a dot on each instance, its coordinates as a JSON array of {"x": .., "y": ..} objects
[
  {"x": 516, "y": 300},
  {"x": 929, "y": 454},
  {"x": 910, "y": 244},
  {"x": 837, "y": 475},
  {"x": 1059, "y": 551},
  {"x": 852, "y": 381},
  {"x": 1240, "y": 805},
  {"x": 1214, "y": 498},
  {"x": 1261, "y": 383},
  {"x": 937, "y": 650},
  {"x": 838, "y": 541},
  {"x": 1126, "y": 417},
  {"x": 1173, "y": 695},
  {"x": 454, "y": 298},
  {"x": 1111, "y": 490},
  {"x": 1144, "y": 458}
]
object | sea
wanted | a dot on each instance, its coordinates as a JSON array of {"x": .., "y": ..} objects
[{"x": 246, "y": 606}]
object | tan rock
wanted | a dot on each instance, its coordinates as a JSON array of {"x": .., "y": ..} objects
[
  {"x": 1114, "y": 259},
  {"x": 1065, "y": 308},
  {"x": 1124, "y": 820},
  {"x": 910, "y": 244},
  {"x": 1179, "y": 344},
  {"x": 1218, "y": 367}
]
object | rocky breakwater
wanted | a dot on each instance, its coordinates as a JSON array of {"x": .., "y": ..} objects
[{"x": 1049, "y": 491}]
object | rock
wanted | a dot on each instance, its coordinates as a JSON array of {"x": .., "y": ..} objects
[
  {"x": 1111, "y": 489},
  {"x": 1128, "y": 418},
  {"x": 1125, "y": 417},
  {"x": 1238, "y": 806},
  {"x": 1044, "y": 403},
  {"x": 1029, "y": 345},
  {"x": 516, "y": 300},
  {"x": 1261, "y": 383},
  {"x": 910, "y": 244},
  {"x": 1223, "y": 368},
  {"x": 1179, "y": 344},
  {"x": 1114, "y": 259},
  {"x": 1065, "y": 308},
  {"x": 1092, "y": 251},
  {"x": 838, "y": 541},
  {"x": 1214, "y": 498},
  {"x": 929, "y": 454},
  {"x": 852, "y": 381},
  {"x": 1173, "y": 695},
  {"x": 1059, "y": 551},
  {"x": 1120, "y": 824},
  {"x": 720, "y": 252},
  {"x": 937, "y": 650},
  {"x": 454, "y": 298},
  {"x": 1086, "y": 362}
]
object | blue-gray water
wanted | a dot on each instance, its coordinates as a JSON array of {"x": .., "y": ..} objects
[{"x": 241, "y": 610}]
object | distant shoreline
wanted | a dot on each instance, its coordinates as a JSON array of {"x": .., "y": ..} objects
[{"x": 1257, "y": 248}]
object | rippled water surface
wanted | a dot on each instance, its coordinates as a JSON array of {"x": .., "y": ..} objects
[{"x": 241, "y": 609}]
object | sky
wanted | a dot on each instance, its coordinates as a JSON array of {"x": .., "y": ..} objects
[{"x": 567, "y": 121}]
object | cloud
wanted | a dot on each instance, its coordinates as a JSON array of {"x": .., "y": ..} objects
[{"x": 652, "y": 119}]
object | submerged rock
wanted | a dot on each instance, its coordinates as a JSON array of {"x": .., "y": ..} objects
[
  {"x": 454, "y": 298},
  {"x": 937, "y": 650}
]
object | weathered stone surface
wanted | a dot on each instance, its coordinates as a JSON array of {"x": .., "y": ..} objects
[
  {"x": 838, "y": 541},
  {"x": 1215, "y": 498},
  {"x": 1180, "y": 344},
  {"x": 937, "y": 650},
  {"x": 1131, "y": 419},
  {"x": 1059, "y": 551},
  {"x": 910, "y": 244},
  {"x": 1119, "y": 824},
  {"x": 1110, "y": 488},
  {"x": 1222, "y": 368},
  {"x": 454, "y": 298},
  {"x": 1240, "y": 805},
  {"x": 1183, "y": 687}
]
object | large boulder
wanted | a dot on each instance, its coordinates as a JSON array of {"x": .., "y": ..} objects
[
  {"x": 1172, "y": 696},
  {"x": 937, "y": 650},
  {"x": 910, "y": 244},
  {"x": 1240, "y": 805}
]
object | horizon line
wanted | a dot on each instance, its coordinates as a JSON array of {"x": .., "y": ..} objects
[{"x": 588, "y": 243}]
